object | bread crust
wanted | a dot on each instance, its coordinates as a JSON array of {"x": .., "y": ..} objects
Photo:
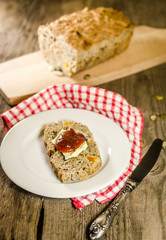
[
  {"x": 84, "y": 38},
  {"x": 77, "y": 168}
]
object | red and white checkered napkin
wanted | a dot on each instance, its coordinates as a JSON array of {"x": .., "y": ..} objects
[{"x": 107, "y": 103}]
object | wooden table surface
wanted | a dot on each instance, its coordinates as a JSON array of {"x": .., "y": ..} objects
[{"x": 24, "y": 215}]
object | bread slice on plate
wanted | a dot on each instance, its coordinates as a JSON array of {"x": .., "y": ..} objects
[
  {"x": 72, "y": 151},
  {"x": 80, "y": 40}
]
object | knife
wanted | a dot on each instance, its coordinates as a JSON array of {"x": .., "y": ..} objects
[{"x": 101, "y": 224}]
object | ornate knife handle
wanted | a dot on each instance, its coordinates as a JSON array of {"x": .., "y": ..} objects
[{"x": 100, "y": 225}]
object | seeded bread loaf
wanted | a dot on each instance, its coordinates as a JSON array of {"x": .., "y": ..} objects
[
  {"x": 85, "y": 38},
  {"x": 76, "y": 168}
]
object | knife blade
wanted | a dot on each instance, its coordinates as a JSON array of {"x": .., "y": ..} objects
[{"x": 101, "y": 224}]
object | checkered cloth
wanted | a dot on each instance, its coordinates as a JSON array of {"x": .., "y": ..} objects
[{"x": 107, "y": 103}]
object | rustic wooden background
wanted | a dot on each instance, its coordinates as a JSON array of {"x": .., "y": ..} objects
[{"x": 26, "y": 216}]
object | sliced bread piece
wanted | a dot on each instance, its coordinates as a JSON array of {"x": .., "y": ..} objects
[{"x": 75, "y": 168}]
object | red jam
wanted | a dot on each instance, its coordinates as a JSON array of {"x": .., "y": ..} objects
[{"x": 69, "y": 141}]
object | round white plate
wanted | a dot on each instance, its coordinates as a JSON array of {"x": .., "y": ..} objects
[{"x": 24, "y": 159}]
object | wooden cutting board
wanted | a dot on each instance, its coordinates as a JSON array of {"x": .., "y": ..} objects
[{"x": 26, "y": 75}]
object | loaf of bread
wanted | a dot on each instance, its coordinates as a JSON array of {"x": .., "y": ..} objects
[
  {"x": 74, "y": 168},
  {"x": 83, "y": 39}
]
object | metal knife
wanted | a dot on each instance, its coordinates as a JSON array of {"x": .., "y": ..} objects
[{"x": 100, "y": 225}]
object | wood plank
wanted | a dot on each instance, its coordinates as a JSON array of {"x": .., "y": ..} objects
[
  {"x": 19, "y": 211},
  {"x": 144, "y": 213},
  {"x": 24, "y": 76}
]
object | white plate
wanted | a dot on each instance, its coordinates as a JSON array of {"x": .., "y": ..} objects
[{"x": 24, "y": 160}]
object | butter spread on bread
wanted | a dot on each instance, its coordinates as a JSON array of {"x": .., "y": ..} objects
[{"x": 70, "y": 143}]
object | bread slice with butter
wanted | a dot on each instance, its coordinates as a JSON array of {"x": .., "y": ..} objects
[
  {"x": 84, "y": 38},
  {"x": 74, "y": 165}
]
